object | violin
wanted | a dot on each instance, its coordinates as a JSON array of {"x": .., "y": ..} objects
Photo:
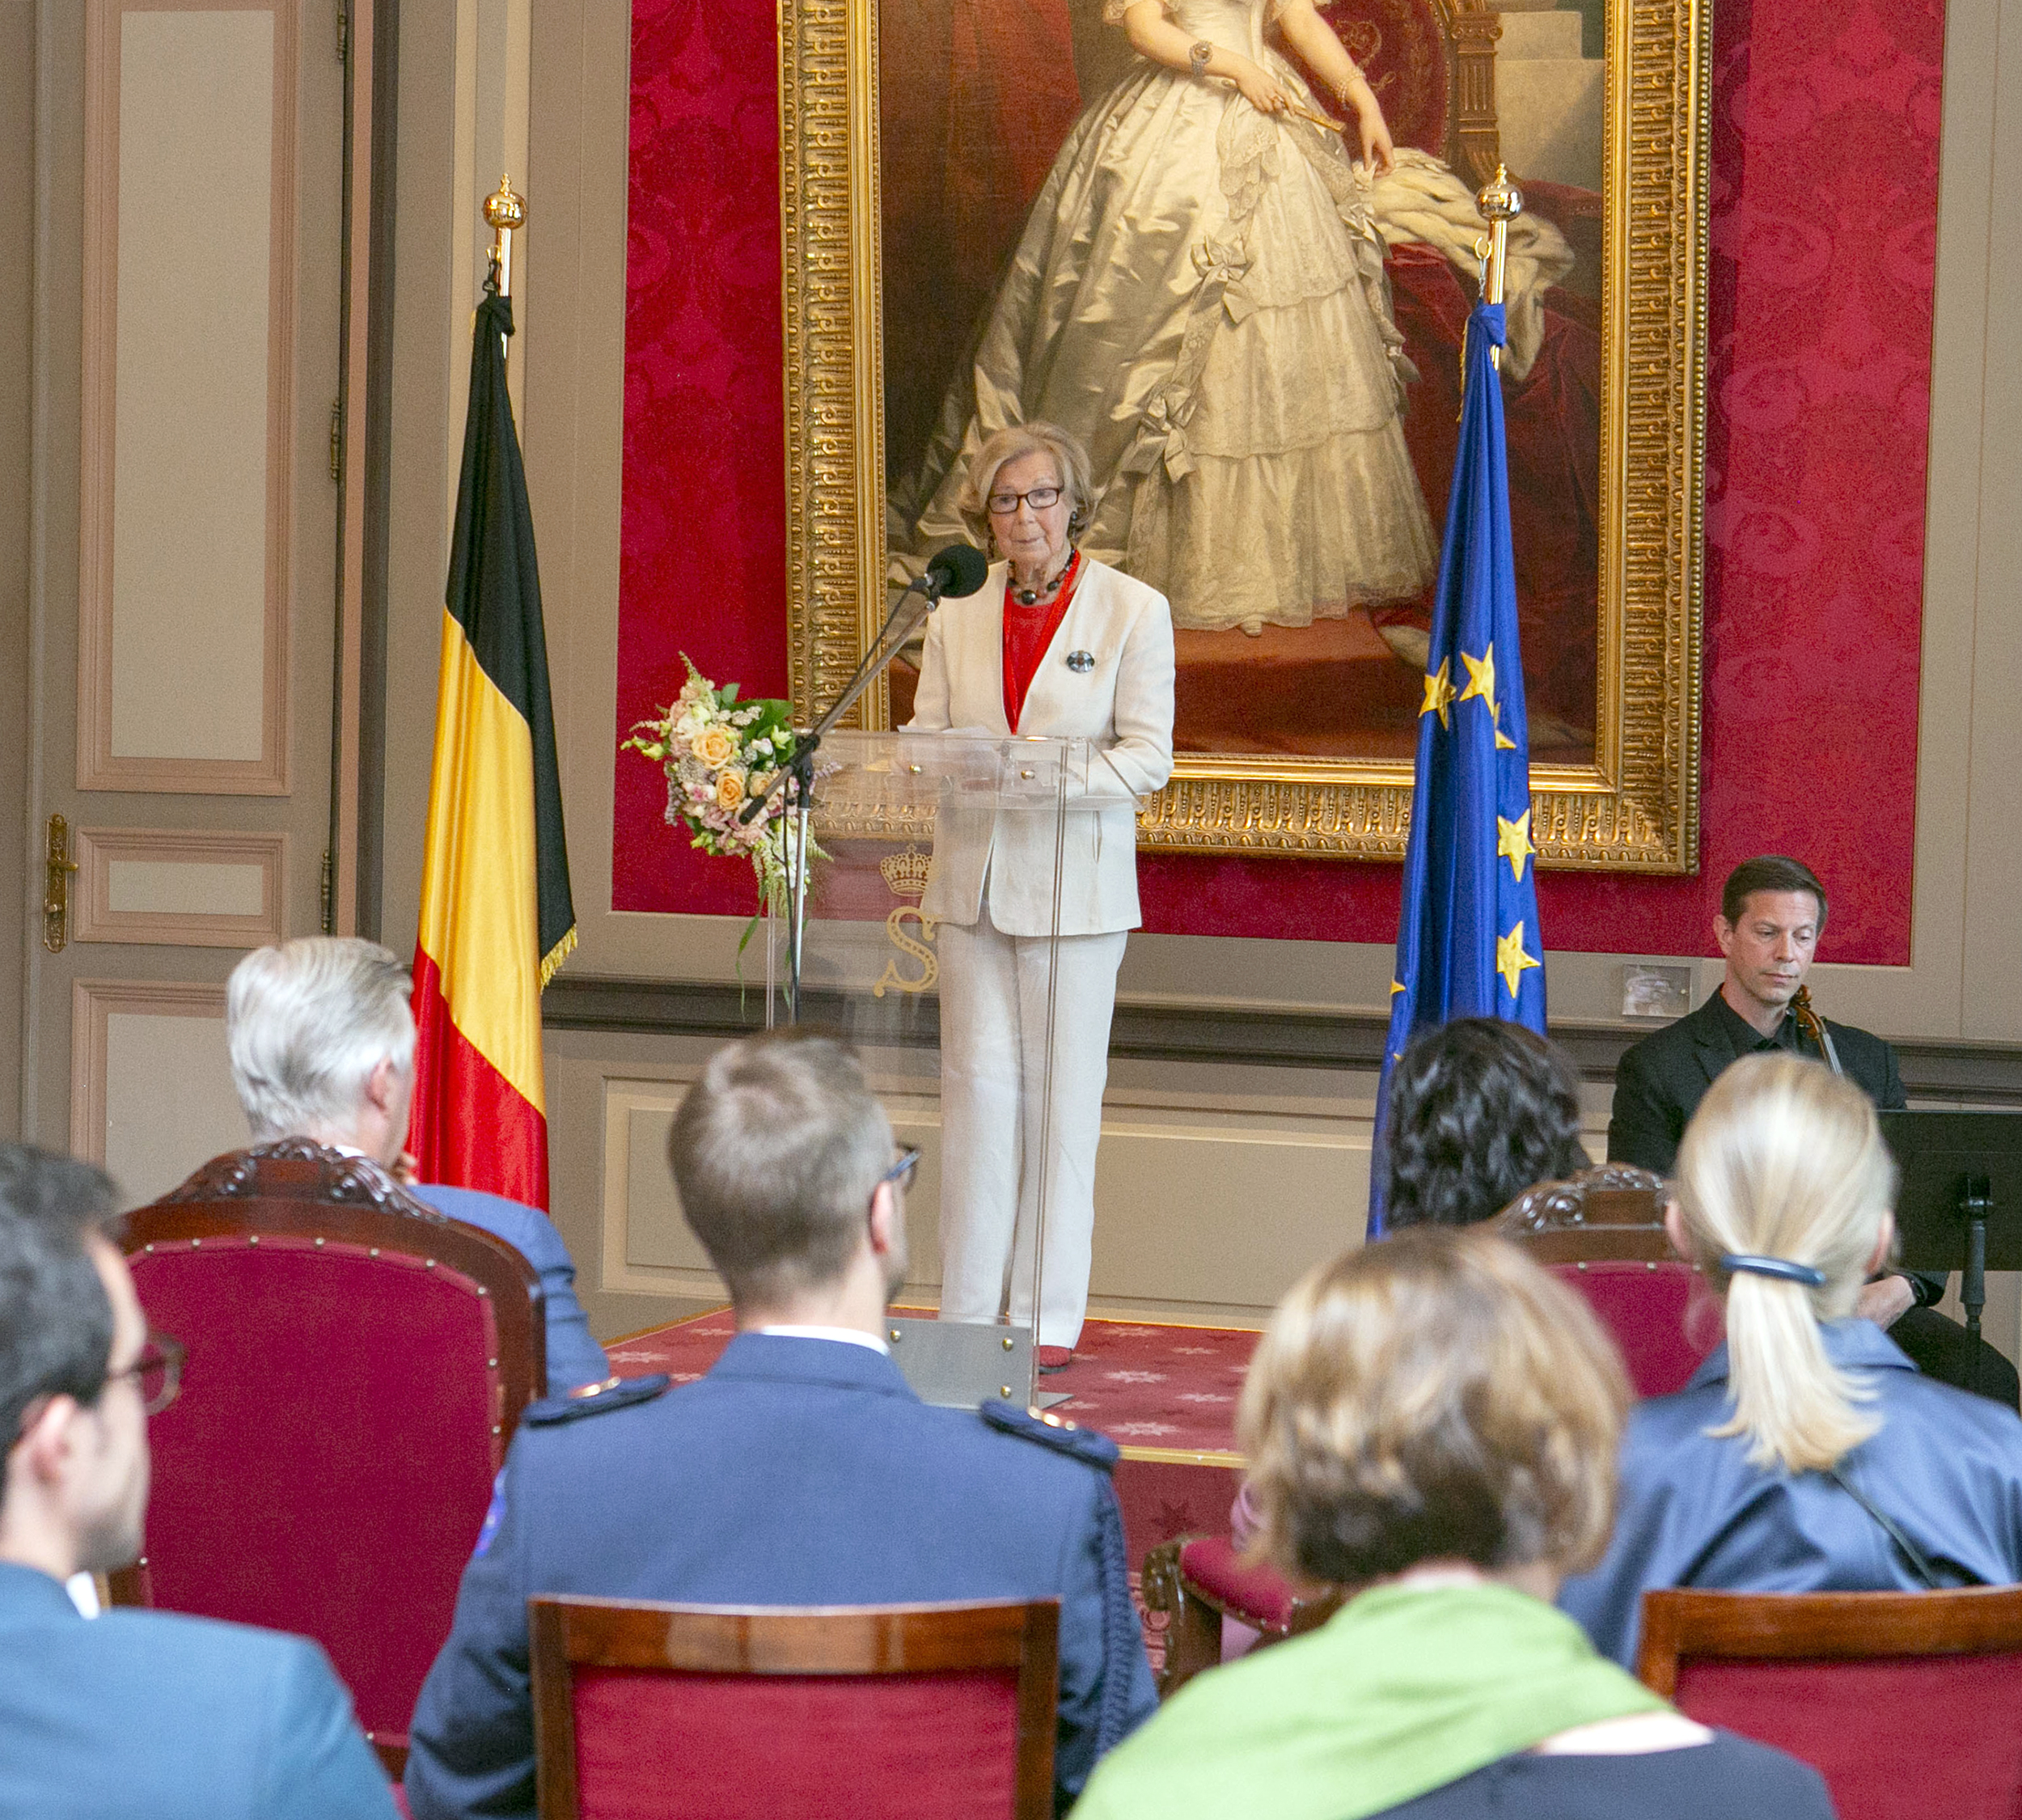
[{"x": 1814, "y": 1026}]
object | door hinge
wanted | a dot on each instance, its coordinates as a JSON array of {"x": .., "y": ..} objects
[
  {"x": 56, "y": 896},
  {"x": 343, "y": 32},
  {"x": 329, "y": 895},
  {"x": 337, "y": 439}
]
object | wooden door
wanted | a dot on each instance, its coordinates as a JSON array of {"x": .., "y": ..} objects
[{"x": 185, "y": 498}]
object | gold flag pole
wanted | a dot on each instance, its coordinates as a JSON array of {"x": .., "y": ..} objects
[
  {"x": 505, "y": 209},
  {"x": 1500, "y": 203}
]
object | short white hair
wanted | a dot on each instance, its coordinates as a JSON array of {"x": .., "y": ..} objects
[{"x": 307, "y": 1021}]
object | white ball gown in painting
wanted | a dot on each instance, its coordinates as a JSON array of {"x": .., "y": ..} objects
[{"x": 1199, "y": 296}]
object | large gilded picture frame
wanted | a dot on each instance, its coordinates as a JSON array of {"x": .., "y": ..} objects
[{"x": 1628, "y": 799}]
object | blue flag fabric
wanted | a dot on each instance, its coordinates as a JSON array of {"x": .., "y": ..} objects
[{"x": 1467, "y": 938}]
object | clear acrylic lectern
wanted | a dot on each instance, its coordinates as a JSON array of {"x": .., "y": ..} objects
[{"x": 903, "y": 829}]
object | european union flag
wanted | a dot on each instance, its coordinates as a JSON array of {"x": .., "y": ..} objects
[{"x": 1467, "y": 939}]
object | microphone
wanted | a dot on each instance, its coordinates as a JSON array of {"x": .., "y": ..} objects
[{"x": 954, "y": 573}]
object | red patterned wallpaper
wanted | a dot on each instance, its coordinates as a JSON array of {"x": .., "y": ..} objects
[{"x": 1824, "y": 183}]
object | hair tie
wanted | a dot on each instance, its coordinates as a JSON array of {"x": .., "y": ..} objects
[{"x": 1782, "y": 1268}]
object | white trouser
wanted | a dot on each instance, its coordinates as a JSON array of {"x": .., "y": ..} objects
[{"x": 993, "y": 995}]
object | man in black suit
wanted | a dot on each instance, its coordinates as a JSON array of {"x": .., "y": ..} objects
[{"x": 1772, "y": 913}]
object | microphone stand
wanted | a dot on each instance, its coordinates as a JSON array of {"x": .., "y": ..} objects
[{"x": 913, "y": 606}]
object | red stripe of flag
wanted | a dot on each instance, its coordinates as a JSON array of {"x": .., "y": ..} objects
[{"x": 477, "y": 1129}]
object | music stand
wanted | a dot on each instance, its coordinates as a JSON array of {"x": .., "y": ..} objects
[{"x": 1959, "y": 1204}]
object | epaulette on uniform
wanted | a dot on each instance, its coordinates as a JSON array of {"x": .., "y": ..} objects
[
  {"x": 1052, "y": 1431},
  {"x": 594, "y": 1400}
]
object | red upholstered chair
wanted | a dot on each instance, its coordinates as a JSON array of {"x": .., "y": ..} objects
[
  {"x": 1602, "y": 1231},
  {"x": 357, "y": 1364},
  {"x": 1200, "y": 1580},
  {"x": 655, "y": 1712},
  {"x": 1908, "y": 1703}
]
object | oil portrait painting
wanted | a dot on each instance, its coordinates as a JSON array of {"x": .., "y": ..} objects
[{"x": 1230, "y": 245}]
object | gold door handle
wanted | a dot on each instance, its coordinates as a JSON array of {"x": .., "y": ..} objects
[{"x": 56, "y": 900}]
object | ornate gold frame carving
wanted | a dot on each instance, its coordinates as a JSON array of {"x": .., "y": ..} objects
[{"x": 1636, "y": 807}]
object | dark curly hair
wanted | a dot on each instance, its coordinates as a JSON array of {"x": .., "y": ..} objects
[{"x": 1479, "y": 1110}]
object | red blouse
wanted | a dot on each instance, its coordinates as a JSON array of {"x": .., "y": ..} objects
[{"x": 1027, "y": 632}]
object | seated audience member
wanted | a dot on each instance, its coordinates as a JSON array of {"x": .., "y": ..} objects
[
  {"x": 1807, "y": 1450},
  {"x": 1431, "y": 1424},
  {"x": 802, "y": 1469},
  {"x": 1772, "y": 914},
  {"x": 322, "y": 1042},
  {"x": 133, "y": 1713},
  {"x": 1479, "y": 1110}
]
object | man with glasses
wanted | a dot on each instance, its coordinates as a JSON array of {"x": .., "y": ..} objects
[
  {"x": 133, "y": 1712},
  {"x": 800, "y": 1470}
]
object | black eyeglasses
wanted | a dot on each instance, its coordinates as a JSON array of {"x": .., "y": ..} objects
[
  {"x": 1003, "y": 504},
  {"x": 901, "y": 1172},
  {"x": 157, "y": 1372}
]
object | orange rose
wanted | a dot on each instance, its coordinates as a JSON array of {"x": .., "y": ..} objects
[
  {"x": 714, "y": 746},
  {"x": 730, "y": 790}
]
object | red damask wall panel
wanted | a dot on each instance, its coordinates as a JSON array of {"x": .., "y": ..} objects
[{"x": 1824, "y": 179}]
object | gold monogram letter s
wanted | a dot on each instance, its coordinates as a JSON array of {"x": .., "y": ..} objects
[{"x": 929, "y": 967}]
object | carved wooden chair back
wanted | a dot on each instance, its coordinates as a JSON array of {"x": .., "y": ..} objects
[
  {"x": 1809, "y": 1672},
  {"x": 659, "y": 1712},
  {"x": 357, "y": 1366},
  {"x": 1602, "y": 1231}
]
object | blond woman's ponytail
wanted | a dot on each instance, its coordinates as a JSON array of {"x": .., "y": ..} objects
[{"x": 1783, "y": 1161}]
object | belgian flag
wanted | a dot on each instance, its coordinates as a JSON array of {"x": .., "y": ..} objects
[{"x": 497, "y": 920}]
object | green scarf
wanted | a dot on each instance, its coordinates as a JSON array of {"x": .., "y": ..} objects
[{"x": 1403, "y": 1690}]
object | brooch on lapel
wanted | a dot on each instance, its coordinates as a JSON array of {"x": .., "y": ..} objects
[{"x": 1080, "y": 663}]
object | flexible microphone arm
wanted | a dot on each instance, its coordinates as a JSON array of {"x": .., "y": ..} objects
[{"x": 920, "y": 599}]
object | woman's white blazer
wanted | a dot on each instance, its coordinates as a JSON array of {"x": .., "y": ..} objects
[{"x": 1122, "y": 703}]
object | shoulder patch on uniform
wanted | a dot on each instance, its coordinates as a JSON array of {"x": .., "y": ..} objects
[
  {"x": 1055, "y": 1431},
  {"x": 593, "y": 1399}
]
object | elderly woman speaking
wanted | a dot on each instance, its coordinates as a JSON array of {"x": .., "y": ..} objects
[{"x": 1058, "y": 645}]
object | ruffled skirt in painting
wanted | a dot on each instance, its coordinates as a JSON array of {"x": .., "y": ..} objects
[{"x": 1199, "y": 297}]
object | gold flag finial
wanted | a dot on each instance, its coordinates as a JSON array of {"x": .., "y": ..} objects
[
  {"x": 1500, "y": 203},
  {"x": 504, "y": 210}
]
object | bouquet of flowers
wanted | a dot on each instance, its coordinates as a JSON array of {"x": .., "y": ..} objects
[{"x": 718, "y": 753}]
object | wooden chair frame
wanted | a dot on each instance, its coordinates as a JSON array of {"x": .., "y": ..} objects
[
  {"x": 567, "y": 1634},
  {"x": 301, "y": 1191},
  {"x": 1821, "y": 1627},
  {"x": 1193, "y": 1635}
]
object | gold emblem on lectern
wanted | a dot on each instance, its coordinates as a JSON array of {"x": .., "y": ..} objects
[{"x": 906, "y": 875}]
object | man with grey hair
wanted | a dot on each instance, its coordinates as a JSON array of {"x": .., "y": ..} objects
[
  {"x": 802, "y": 1470},
  {"x": 321, "y": 1043}
]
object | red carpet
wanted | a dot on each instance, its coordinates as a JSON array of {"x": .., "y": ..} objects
[{"x": 1165, "y": 1394}]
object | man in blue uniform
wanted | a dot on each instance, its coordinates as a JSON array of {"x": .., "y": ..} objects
[
  {"x": 321, "y": 1043},
  {"x": 802, "y": 1470},
  {"x": 133, "y": 1712}
]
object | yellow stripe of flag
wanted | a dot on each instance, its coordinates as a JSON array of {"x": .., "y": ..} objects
[{"x": 479, "y": 920}]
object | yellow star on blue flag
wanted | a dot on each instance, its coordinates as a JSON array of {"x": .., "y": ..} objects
[
  {"x": 1439, "y": 691},
  {"x": 1510, "y": 959}
]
